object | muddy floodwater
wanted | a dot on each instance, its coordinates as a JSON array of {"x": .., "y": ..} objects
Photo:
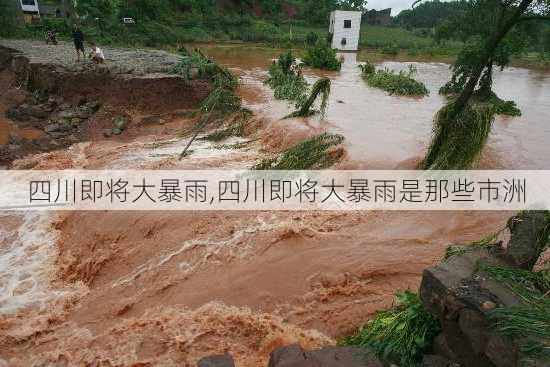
[
  {"x": 167, "y": 288},
  {"x": 387, "y": 132}
]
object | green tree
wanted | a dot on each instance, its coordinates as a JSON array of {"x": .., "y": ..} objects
[
  {"x": 430, "y": 14},
  {"x": 358, "y": 5},
  {"x": 462, "y": 128},
  {"x": 9, "y": 18}
]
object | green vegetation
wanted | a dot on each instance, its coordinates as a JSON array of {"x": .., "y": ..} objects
[
  {"x": 401, "y": 84},
  {"x": 235, "y": 127},
  {"x": 222, "y": 100},
  {"x": 322, "y": 56},
  {"x": 458, "y": 138},
  {"x": 8, "y": 18},
  {"x": 286, "y": 80},
  {"x": 430, "y": 14},
  {"x": 502, "y": 107},
  {"x": 461, "y": 249},
  {"x": 400, "y": 335},
  {"x": 310, "y": 154},
  {"x": 528, "y": 323},
  {"x": 321, "y": 87},
  {"x": 494, "y": 31}
]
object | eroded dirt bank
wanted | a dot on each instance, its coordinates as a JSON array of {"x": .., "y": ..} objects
[
  {"x": 165, "y": 289},
  {"x": 49, "y": 101}
]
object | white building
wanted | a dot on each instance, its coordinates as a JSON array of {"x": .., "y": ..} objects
[{"x": 345, "y": 28}]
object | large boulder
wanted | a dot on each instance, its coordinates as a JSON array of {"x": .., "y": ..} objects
[
  {"x": 461, "y": 295},
  {"x": 525, "y": 243},
  {"x": 295, "y": 356},
  {"x": 224, "y": 360}
]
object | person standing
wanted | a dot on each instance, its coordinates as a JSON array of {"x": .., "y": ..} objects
[{"x": 78, "y": 39}]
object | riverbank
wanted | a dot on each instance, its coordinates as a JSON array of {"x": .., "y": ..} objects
[
  {"x": 382, "y": 42},
  {"x": 170, "y": 288}
]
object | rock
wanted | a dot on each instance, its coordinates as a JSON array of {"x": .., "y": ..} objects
[
  {"x": 294, "y": 356},
  {"x": 67, "y": 114},
  {"x": 26, "y": 112},
  {"x": 151, "y": 120},
  {"x": 523, "y": 249},
  {"x": 92, "y": 106},
  {"x": 120, "y": 122},
  {"x": 19, "y": 64},
  {"x": 224, "y": 360},
  {"x": 461, "y": 295},
  {"x": 58, "y": 134},
  {"x": 437, "y": 361},
  {"x": 107, "y": 133},
  {"x": 52, "y": 127},
  {"x": 64, "y": 106},
  {"x": 116, "y": 131}
]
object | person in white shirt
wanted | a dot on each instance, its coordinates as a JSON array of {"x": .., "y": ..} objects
[{"x": 96, "y": 55}]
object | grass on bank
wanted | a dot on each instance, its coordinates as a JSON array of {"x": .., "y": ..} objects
[
  {"x": 529, "y": 323},
  {"x": 310, "y": 154},
  {"x": 400, "y": 335},
  {"x": 401, "y": 84},
  {"x": 462, "y": 249}
]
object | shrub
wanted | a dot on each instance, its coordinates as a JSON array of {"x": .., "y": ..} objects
[
  {"x": 286, "y": 82},
  {"x": 391, "y": 50},
  {"x": 321, "y": 87},
  {"x": 312, "y": 38},
  {"x": 313, "y": 153},
  {"x": 367, "y": 68},
  {"x": 321, "y": 56},
  {"x": 401, "y": 334},
  {"x": 402, "y": 83}
]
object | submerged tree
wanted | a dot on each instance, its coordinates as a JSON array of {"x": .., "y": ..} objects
[
  {"x": 320, "y": 88},
  {"x": 452, "y": 146},
  {"x": 473, "y": 26}
]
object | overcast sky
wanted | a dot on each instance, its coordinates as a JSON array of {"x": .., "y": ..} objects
[{"x": 396, "y": 5}]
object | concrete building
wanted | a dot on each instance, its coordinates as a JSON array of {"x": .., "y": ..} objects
[{"x": 345, "y": 30}]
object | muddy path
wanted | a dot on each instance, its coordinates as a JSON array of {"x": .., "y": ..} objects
[{"x": 165, "y": 289}]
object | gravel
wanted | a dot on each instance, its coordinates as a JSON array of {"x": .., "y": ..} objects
[{"x": 121, "y": 60}]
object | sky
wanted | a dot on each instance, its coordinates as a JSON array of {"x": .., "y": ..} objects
[{"x": 396, "y": 5}]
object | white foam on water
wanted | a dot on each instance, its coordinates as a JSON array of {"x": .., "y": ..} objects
[
  {"x": 27, "y": 257},
  {"x": 200, "y": 153}
]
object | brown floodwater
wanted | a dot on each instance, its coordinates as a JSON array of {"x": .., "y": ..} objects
[
  {"x": 383, "y": 131},
  {"x": 171, "y": 287}
]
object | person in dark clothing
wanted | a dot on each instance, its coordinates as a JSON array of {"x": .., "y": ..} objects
[{"x": 78, "y": 39}]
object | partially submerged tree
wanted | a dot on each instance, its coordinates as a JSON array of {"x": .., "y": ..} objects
[
  {"x": 451, "y": 146},
  {"x": 320, "y": 88}
]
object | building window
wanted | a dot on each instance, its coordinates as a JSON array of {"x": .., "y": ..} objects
[{"x": 347, "y": 23}]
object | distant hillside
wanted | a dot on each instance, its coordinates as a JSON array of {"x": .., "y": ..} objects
[{"x": 429, "y": 14}]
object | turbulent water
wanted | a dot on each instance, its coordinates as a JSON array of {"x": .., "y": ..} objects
[
  {"x": 383, "y": 131},
  {"x": 171, "y": 287}
]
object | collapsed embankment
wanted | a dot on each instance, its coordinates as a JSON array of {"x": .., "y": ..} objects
[{"x": 51, "y": 106}]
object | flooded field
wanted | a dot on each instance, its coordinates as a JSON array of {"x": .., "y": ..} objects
[
  {"x": 387, "y": 132},
  {"x": 169, "y": 288}
]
